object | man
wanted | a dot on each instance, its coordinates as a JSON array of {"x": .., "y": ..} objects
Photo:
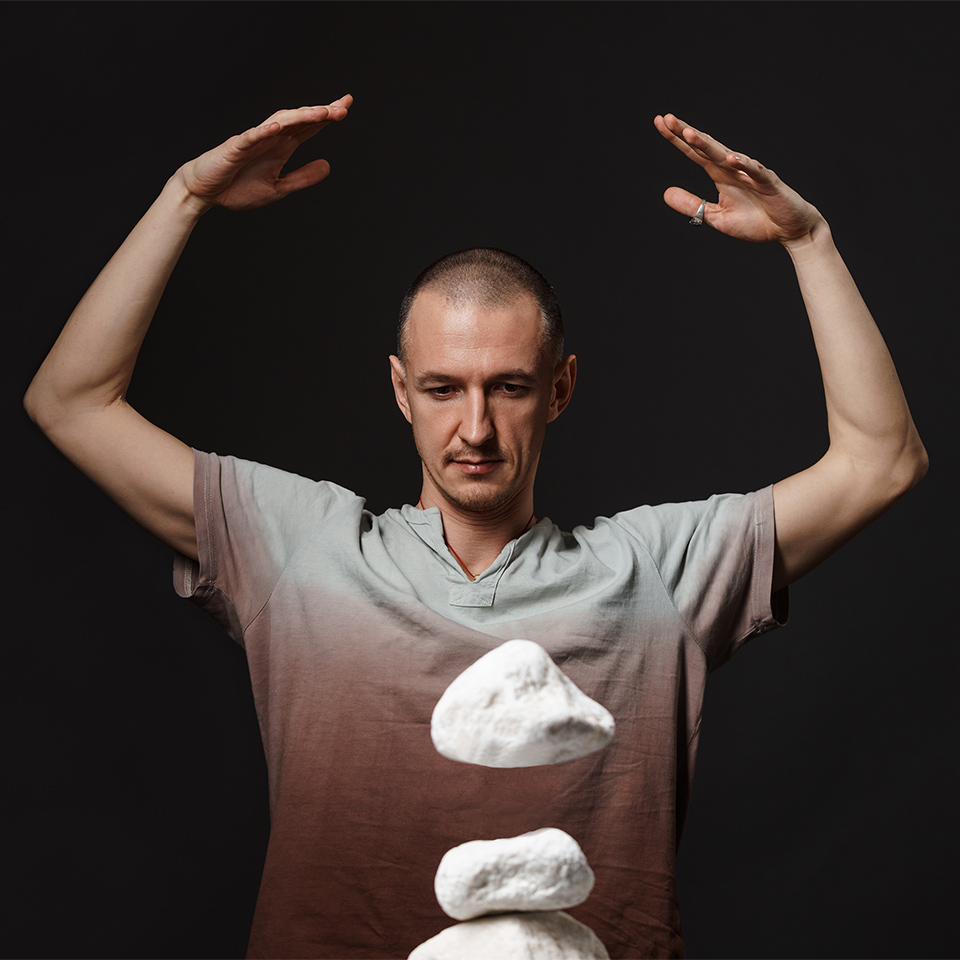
[{"x": 354, "y": 625}]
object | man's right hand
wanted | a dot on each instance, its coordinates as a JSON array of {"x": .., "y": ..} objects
[{"x": 246, "y": 171}]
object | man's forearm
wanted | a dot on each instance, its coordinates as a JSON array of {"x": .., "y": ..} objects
[
  {"x": 867, "y": 414},
  {"x": 92, "y": 361},
  {"x": 875, "y": 453}
]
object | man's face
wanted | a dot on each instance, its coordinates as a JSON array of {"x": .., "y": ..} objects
[{"x": 479, "y": 398}]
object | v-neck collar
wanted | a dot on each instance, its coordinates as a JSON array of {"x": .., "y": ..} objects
[{"x": 427, "y": 523}]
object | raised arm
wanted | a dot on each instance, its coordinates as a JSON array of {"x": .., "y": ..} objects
[
  {"x": 875, "y": 453},
  {"x": 78, "y": 396}
]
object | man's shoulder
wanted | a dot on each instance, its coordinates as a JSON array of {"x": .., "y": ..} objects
[
  {"x": 678, "y": 521},
  {"x": 271, "y": 496},
  {"x": 262, "y": 477}
]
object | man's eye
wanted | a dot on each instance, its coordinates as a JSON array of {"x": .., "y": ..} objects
[
  {"x": 445, "y": 391},
  {"x": 512, "y": 389}
]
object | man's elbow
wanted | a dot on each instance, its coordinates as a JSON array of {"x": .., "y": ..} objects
[
  {"x": 33, "y": 404},
  {"x": 908, "y": 470},
  {"x": 56, "y": 407},
  {"x": 56, "y": 416},
  {"x": 43, "y": 407},
  {"x": 875, "y": 479},
  {"x": 921, "y": 463}
]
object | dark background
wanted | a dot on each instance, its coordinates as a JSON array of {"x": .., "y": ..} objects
[{"x": 824, "y": 820}]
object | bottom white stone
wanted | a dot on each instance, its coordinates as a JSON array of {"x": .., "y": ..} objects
[{"x": 546, "y": 935}]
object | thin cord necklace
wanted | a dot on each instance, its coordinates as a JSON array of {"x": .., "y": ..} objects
[{"x": 456, "y": 555}]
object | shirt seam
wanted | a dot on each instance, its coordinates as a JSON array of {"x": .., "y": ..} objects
[
  {"x": 273, "y": 589},
  {"x": 755, "y": 599},
  {"x": 209, "y": 525}
]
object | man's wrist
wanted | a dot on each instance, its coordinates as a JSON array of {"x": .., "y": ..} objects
[
  {"x": 817, "y": 240},
  {"x": 176, "y": 193}
]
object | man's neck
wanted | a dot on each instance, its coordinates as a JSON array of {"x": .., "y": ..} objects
[{"x": 476, "y": 538}]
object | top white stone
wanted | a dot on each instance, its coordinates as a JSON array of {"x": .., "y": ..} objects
[{"x": 514, "y": 707}]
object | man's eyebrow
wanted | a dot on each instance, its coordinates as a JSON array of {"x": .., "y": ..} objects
[
  {"x": 524, "y": 377},
  {"x": 517, "y": 376},
  {"x": 425, "y": 379}
]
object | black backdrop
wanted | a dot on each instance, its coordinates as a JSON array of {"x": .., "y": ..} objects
[{"x": 824, "y": 815}]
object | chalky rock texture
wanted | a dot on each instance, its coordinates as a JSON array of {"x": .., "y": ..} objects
[
  {"x": 515, "y": 708},
  {"x": 541, "y": 870},
  {"x": 515, "y": 936}
]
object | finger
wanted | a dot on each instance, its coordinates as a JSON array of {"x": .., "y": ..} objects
[
  {"x": 255, "y": 136},
  {"x": 302, "y": 124},
  {"x": 304, "y": 131},
  {"x": 345, "y": 101},
  {"x": 289, "y": 117},
  {"x": 751, "y": 168},
  {"x": 671, "y": 129},
  {"x": 703, "y": 143},
  {"x": 313, "y": 114},
  {"x": 686, "y": 203},
  {"x": 305, "y": 176}
]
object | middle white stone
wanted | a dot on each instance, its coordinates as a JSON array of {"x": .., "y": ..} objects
[
  {"x": 514, "y": 707},
  {"x": 541, "y": 870}
]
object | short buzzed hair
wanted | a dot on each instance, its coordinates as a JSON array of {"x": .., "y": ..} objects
[{"x": 491, "y": 278}]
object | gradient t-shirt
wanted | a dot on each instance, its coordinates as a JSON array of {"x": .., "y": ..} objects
[{"x": 355, "y": 624}]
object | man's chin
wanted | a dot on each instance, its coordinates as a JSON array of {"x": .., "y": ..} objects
[
  {"x": 476, "y": 504},
  {"x": 477, "y": 497}
]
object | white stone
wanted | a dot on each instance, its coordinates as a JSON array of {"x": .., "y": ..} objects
[
  {"x": 515, "y": 936},
  {"x": 541, "y": 870},
  {"x": 515, "y": 708}
]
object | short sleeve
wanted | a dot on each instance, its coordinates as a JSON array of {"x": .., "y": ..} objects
[
  {"x": 715, "y": 558},
  {"x": 251, "y": 519}
]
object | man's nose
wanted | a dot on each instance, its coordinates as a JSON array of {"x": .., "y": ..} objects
[{"x": 476, "y": 426}]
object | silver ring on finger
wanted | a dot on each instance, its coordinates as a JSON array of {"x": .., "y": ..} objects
[{"x": 697, "y": 218}]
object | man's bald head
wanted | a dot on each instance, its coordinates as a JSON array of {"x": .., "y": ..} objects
[{"x": 491, "y": 278}]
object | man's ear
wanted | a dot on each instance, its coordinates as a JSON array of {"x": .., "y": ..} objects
[
  {"x": 564, "y": 378},
  {"x": 399, "y": 378}
]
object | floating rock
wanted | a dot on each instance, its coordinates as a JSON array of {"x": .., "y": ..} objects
[
  {"x": 515, "y": 708},
  {"x": 541, "y": 870},
  {"x": 515, "y": 936}
]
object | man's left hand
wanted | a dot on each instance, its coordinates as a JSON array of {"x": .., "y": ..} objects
[{"x": 754, "y": 203}]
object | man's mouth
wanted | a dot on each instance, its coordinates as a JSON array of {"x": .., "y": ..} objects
[{"x": 475, "y": 468}]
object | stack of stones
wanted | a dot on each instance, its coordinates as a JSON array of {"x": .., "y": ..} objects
[{"x": 515, "y": 708}]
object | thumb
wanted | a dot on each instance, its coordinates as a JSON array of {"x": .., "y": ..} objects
[
  {"x": 305, "y": 176},
  {"x": 682, "y": 201}
]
